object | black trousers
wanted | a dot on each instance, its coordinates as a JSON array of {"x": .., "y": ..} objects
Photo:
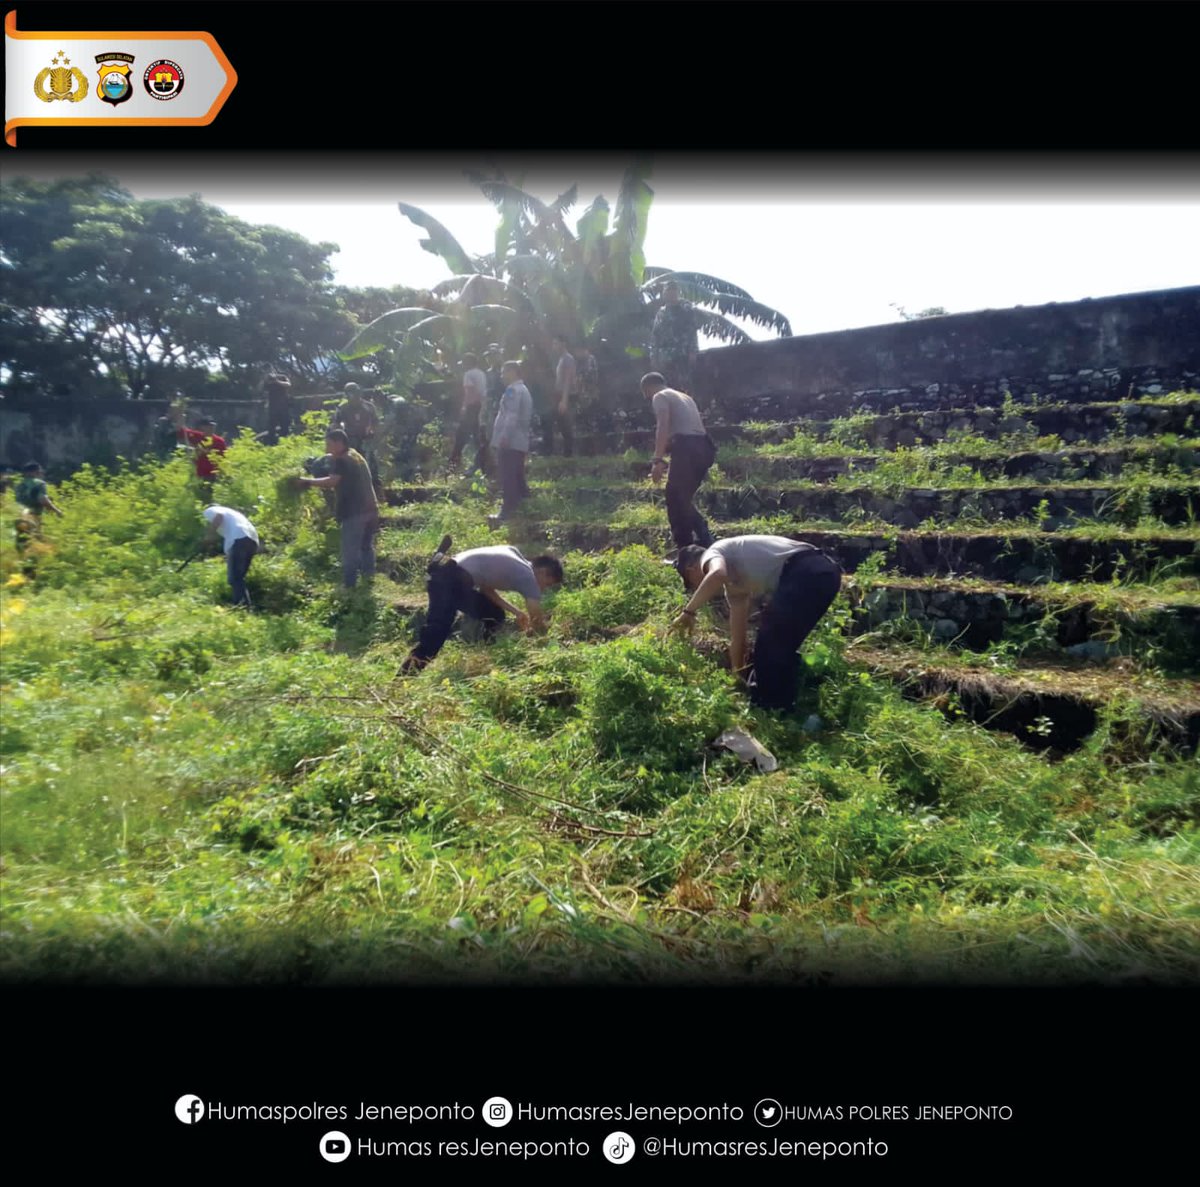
[
  {"x": 511, "y": 465},
  {"x": 470, "y": 425},
  {"x": 562, "y": 423},
  {"x": 452, "y": 589},
  {"x": 691, "y": 457},
  {"x": 237, "y": 565},
  {"x": 807, "y": 587}
]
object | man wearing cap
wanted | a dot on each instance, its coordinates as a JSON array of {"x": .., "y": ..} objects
[
  {"x": 472, "y": 582},
  {"x": 680, "y": 432},
  {"x": 673, "y": 339},
  {"x": 359, "y": 418},
  {"x": 240, "y": 542},
  {"x": 355, "y": 506},
  {"x": 205, "y": 444},
  {"x": 278, "y": 391},
  {"x": 800, "y": 582}
]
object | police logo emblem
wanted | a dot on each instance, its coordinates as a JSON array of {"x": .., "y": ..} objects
[
  {"x": 66, "y": 81},
  {"x": 163, "y": 79},
  {"x": 115, "y": 86}
]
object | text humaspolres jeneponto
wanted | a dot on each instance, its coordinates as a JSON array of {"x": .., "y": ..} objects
[{"x": 193, "y": 1110}]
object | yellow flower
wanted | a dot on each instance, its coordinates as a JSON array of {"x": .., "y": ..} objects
[
  {"x": 15, "y": 606},
  {"x": 15, "y": 581}
]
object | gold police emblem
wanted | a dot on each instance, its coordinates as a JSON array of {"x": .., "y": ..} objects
[
  {"x": 66, "y": 81},
  {"x": 115, "y": 86}
]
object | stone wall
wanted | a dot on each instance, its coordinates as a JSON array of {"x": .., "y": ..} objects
[
  {"x": 63, "y": 433},
  {"x": 1102, "y": 349}
]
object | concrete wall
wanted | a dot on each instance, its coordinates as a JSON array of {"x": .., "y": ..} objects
[{"x": 1094, "y": 349}]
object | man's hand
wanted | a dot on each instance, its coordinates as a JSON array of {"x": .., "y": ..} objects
[
  {"x": 684, "y": 624},
  {"x": 657, "y": 471}
]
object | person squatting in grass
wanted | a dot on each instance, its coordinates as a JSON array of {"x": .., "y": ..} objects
[
  {"x": 680, "y": 432},
  {"x": 800, "y": 582},
  {"x": 355, "y": 506},
  {"x": 471, "y": 582},
  {"x": 241, "y": 543}
]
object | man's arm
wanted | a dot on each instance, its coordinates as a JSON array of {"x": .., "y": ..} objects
[
  {"x": 739, "y": 614},
  {"x": 710, "y": 587},
  {"x": 662, "y": 416},
  {"x": 46, "y": 501},
  {"x": 330, "y": 480},
  {"x": 494, "y": 597}
]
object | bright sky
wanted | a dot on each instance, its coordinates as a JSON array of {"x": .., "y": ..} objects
[{"x": 829, "y": 249}]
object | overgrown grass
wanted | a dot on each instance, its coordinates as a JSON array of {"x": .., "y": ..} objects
[{"x": 193, "y": 793}]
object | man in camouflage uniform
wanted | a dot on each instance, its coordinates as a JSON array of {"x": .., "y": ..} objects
[{"x": 673, "y": 340}]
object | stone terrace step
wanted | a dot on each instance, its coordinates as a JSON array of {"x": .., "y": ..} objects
[
  {"x": 1065, "y": 465},
  {"x": 1086, "y": 621},
  {"x": 1021, "y": 556},
  {"x": 1054, "y": 507},
  {"x": 1070, "y": 422},
  {"x": 1052, "y": 707}
]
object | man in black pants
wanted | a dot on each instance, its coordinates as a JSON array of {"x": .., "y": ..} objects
[
  {"x": 471, "y": 582},
  {"x": 801, "y": 583},
  {"x": 680, "y": 432}
]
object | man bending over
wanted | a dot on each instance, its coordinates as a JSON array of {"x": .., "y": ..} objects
[
  {"x": 472, "y": 582},
  {"x": 801, "y": 583}
]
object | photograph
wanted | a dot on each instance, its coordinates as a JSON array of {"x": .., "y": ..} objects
[{"x": 751, "y": 597}]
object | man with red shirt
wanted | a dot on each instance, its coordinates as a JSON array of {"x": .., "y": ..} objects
[{"x": 204, "y": 442}]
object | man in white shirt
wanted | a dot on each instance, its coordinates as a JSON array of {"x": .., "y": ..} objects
[
  {"x": 800, "y": 582},
  {"x": 510, "y": 439},
  {"x": 241, "y": 543},
  {"x": 474, "y": 384},
  {"x": 472, "y": 582},
  {"x": 679, "y": 431}
]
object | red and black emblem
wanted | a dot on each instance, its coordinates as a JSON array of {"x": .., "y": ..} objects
[{"x": 163, "y": 79}]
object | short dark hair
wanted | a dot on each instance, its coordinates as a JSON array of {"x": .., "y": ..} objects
[
  {"x": 688, "y": 555},
  {"x": 654, "y": 377},
  {"x": 337, "y": 435},
  {"x": 561, "y": 338},
  {"x": 513, "y": 364},
  {"x": 206, "y": 420},
  {"x": 31, "y": 467},
  {"x": 551, "y": 564},
  {"x": 469, "y": 360}
]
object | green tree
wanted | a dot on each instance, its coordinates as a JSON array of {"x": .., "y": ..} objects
[
  {"x": 102, "y": 290},
  {"x": 545, "y": 277}
]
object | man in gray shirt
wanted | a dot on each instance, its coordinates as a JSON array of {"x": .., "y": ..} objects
[
  {"x": 680, "y": 432},
  {"x": 562, "y": 412},
  {"x": 800, "y": 582},
  {"x": 472, "y": 582},
  {"x": 510, "y": 439}
]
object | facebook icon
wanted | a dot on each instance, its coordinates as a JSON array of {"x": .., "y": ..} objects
[{"x": 189, "y": 1109}]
